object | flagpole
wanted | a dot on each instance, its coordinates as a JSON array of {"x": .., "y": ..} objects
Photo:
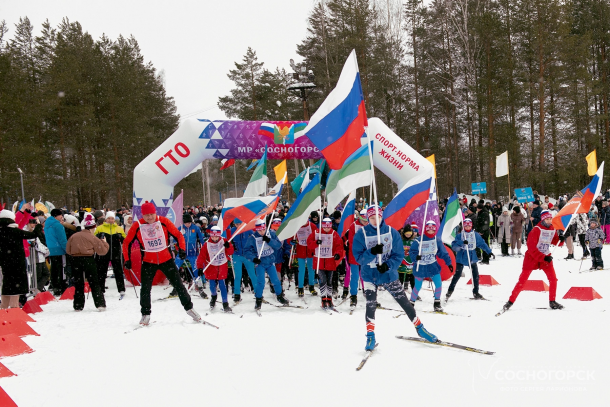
[
  {"x": 423, "y": 230},
  {"x": 467, "y": 248},
  {"x": 510, "y": 196},
  {"x": 229, "y": 241},
  {"x": 266, "y": 233},
  {"x": 368, "y": 142},
  {"x": 235, "y": 177}
]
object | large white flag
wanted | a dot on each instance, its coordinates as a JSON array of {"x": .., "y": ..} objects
[{"x": 502, "y": 164}]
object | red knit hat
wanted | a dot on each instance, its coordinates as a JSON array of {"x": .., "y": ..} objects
[{"x": 148, "y": 208}]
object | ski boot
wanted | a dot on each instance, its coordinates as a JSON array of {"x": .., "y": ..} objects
[
  {"x": 282, "y": 300},
  {"x": 301, "y": 292},
  {"x": 353, "y": 300},
  {"x": 329, "y": 302},
  {"x": 121, "y": 295},
  {"x": 101, "y": 309},
  {"x": 555, "y": 305},
  {"x": 173, "y": 294},
  {"x": 507, "y": 306},
  {"x": 423, "y": 333},
  {"x": 335, "y": 293},
  {"x": 226, "y": 308},
  {"x": 370, "y": 341},
  {"x": 412, "y": 303},
  {"x": 237, "y": 298},
  {"x": 272, "y": 288},
  {"x": 194, "y": 314},
  {"x": 213, "y": 302},
  {"x": 437, "y": 306},
  {"x": 324, "y": 303},
  {"x": 202, "y": 293},
  {"x": 312, "y": 290},
  {"x": 258, "y": 304},
  {"x": 570, "y": 257},
  {"x": 345, "y": 293},
  {"x": 378, "y": 305},
  {"x": 600, "y": 268},
  {"x": 478, "y": 296},
  {"x": 592, "y": 268},
  {"x": 448, "y": 295},
  {"x": 145, "y": 320}
]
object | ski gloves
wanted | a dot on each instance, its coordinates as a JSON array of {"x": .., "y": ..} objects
[
  {"x": 548, "y": 259},
  {"x": 128, "y": 264},
  {"x": 266, "y": 239},
  {"x": 377, "y": 249},
  {"x": 256, "y": 260},
  {"x": 181, "y": 254},
  {"x": 382, "y": 268},
  {"x": 226, "y": 245},
  {"x": 337, "y": 256}
]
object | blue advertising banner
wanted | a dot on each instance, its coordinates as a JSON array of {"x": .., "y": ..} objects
[
  {"x": 479, "y": 188},
  {"x": 524, "y": 195}
]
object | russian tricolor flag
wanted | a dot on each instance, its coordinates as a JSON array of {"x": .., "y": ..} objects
[
  {"x": 415, "y": 193},
  {"x": 338, "y": 124},
  {"x": 347, "y": 217},
  {"x": 581, "y": 202},
  {"x": 247, "y": 208}
]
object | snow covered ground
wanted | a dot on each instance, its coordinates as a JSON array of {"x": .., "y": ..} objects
[{"x": 295, "y": 357}]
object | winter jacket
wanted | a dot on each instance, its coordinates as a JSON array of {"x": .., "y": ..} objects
[
  {"x": 337, "y": 248},
  {"x": 84, "y": 243},
  {"x": 115, "y": 235},
  {"x": 582, "y": 223},
  {"x": 135, "y": 234},
  {"x": 220, "y": 270},
  {"x": 351, "y": 232},
  {"x": 38, "y": 247},
  {"x": 268, "y": 254},
  {"x": 407, "y": 264},
  {"x": 475, "y": 241},
  {"x": 481, "y": 224},
  {"x": 192, "y": 238},
  {"x": 595, "y": 237},
  {"x": 55, "y": 234},
  {"x": 534, "y": 257},
  {"x": 504, "y": 228},
  {"x": 239, "y": 241},
  {"x": 302, "y": 251},
  {"x": 433, "y": 268},
  {"x": 536, "y": 212},
  {"x": 392, "y": 256},
  {"x": 517, "y": 219},
  {"x": 604, "y": 216},
  {"x": 12, "y": 259}
]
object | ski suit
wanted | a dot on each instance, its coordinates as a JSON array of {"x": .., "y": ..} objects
[
  {"x": 218, "y": 270},
  {"x": 352, "y": 278},
  {"x": 114, "y": 236},
  {"x": 465, "y": 252},
  {"x": 267, "y": 257},
  {"x": 304, "y": 255},
  {"x": 432, "y": 247},
  {"x": 239, "y": 243},
  {"x": 193, "y": 238},
  {"x": 330, "y": 246}
]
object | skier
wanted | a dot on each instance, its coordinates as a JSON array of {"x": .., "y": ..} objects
[
  {"x": 405, "y": 270},
  {"x": 353, "y": 277},
  {"x": 193, "y": 239},
  {"x": 217, "y": 271},
  {"x": 464, "y": 245},
  {"x": 279, "y": 254},
  {"x": 328, "y": 247},
  {"x": 538, "y": 256},
  {"x": 595, "y": 238},
  {"x": 260, "y": 249},
  {"x": 382, "y": 272},
  {"x": 304, "y": 255},
  {"x": 153, "y": 232},
  {"x": 239, "y": 259},
  {"x": 431, "y": 247},
  {"x": 115, "y": 235}
]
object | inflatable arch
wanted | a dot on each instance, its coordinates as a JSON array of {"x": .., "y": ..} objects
[{"x": 198, "y": 139}]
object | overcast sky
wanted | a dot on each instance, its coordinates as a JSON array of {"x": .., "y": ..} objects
[{"x": 194, "y": 42}]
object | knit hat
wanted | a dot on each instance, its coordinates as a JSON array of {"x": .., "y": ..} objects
[
  {"x": 537, "y": 202},
  {"x": 370, "y": 211},
  {"x": 186, "y": 218},
  {"x": 215, "y": 231},
  {"x": 337, "y": 215},
  {"x": 6, "y": 214},
  {"x": 260, "y": 225},
  {"x": 97, "y": 214},
  {"x": 88, "y": 221},
  {"x": 314, "y": 214},
  {"x": 71, "y": 220},
  {"x": 56, "y": 212},
  {"x": 414, "y": 227},
  {"x": 504, "y": 209},
  {"x": 148, "y": 208},
  {"x": 546, "y": 215},
  {"x": 430, "y": 228},
  {"x": 327, "y": 223},
  {"x": 110, "y": 214}
]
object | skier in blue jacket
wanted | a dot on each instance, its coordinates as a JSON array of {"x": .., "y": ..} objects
[
  {"x": 193, "y": 239},
  {"x": 375, "y": 272},
  {"x": 425, "y": 264},
  {"x": 260, "y": 249},
  {"x": 239, "y": 243},
  {"x": 55, "y": 235},
  {"x": 464, "y": 246}
]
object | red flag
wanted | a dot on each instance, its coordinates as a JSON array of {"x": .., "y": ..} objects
[{"x": 227, "y": 163}]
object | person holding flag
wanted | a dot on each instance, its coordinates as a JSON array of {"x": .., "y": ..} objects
[
  {"x": 464, "y": 246},
  {"x": 213, "y": 257},
  {"x": 353, "y": 277},
  {"x": 193, "y": 239},
  {"x": 425, "y": 264},
  {"x": 380, "y": 263},
  {"x": 304, "y": 255},
  {"x": 260, "y": 249},
  {"x": 328, "y": 250}
]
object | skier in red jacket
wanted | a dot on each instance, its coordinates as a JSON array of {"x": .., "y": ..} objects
[
  {"x": 153, "y": 233},
  {"x": 328, "y": 246},
  {"x": 538, "y": 256},
  {"x": 218, "y": 270}
]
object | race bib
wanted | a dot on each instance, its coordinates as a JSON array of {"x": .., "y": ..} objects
[
  {"x": 544, "y": 243},
  {"x": 386, "y": 241},
  {"x": 303, "y": 234},
  {"x": 214, "y": 248},
  {"x": 428, "y": 252},
  {"x": 325, "y": 249},
  {"x": 472, "y": 240},
  {"x": 153, "y": 237},
  {"x": 267, "y": 250}
]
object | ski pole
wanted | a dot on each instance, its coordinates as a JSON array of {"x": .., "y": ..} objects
[{"x": 134, "y": 286}]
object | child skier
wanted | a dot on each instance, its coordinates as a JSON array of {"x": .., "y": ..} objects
[
  {"x": 279, "y": 254},
  {"x": 327, "y": 246},
  {"x": 405, "y": 270},
  {"x": 304, "y": 254},
  {"x": 431, "y": 247},
  {"x": 353, "y": 276},
  {"x": 538, "y": 256},
  {"x": 464, "y": 246},
  {"x": 594, "y": 238},
  {"x": 216, "y": 273}
]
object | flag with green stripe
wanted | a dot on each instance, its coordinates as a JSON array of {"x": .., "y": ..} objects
[
  {"x": 258, "y": 182},
  {"x": 355, "y": 173},
  {"x": 308, "y": 201},
  {"x": 452, "y": 219}
]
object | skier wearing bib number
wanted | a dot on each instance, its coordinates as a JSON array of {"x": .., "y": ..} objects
[
  {"x": 538, "y": 256},
  {"x": 464, "y": 245},
  {"x": 193, "y": 239},
  {"x": 353, "y": 277},
  {"x": 304, "y": 255},
  {"x": 366, "y": 251},
  {"x": 328, "y": 246},
  {"x": 260, "y": 249},
  {"x": 153, "y": 233},
  {"x": 216, "y": 251},
  {"x": 432, "y": 247}
]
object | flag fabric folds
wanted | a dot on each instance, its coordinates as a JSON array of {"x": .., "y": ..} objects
[
  {"x": 308, "y": 201},
  {"x": 581, "y": 202},
  {"x": 252, "y": 164},
  {"x": 227, "y": 163},
  {"x": 592, "y": 162},
  {"x": 452, "y": 219},
  {"x": 355, "y": 173},
  {"x": 502, "y": 164},
  {"x": 347, "y": 217},
  {"x": 177, "y": 206},
  {"x": 338, "y": 124},
  {"x": 258, "y": 181},
  {"x": 281, "y": 171},
  {"x": 415, "y": 193},
  {"x": 432, "y": 159},
  {"x": 246, "y": 209}
]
